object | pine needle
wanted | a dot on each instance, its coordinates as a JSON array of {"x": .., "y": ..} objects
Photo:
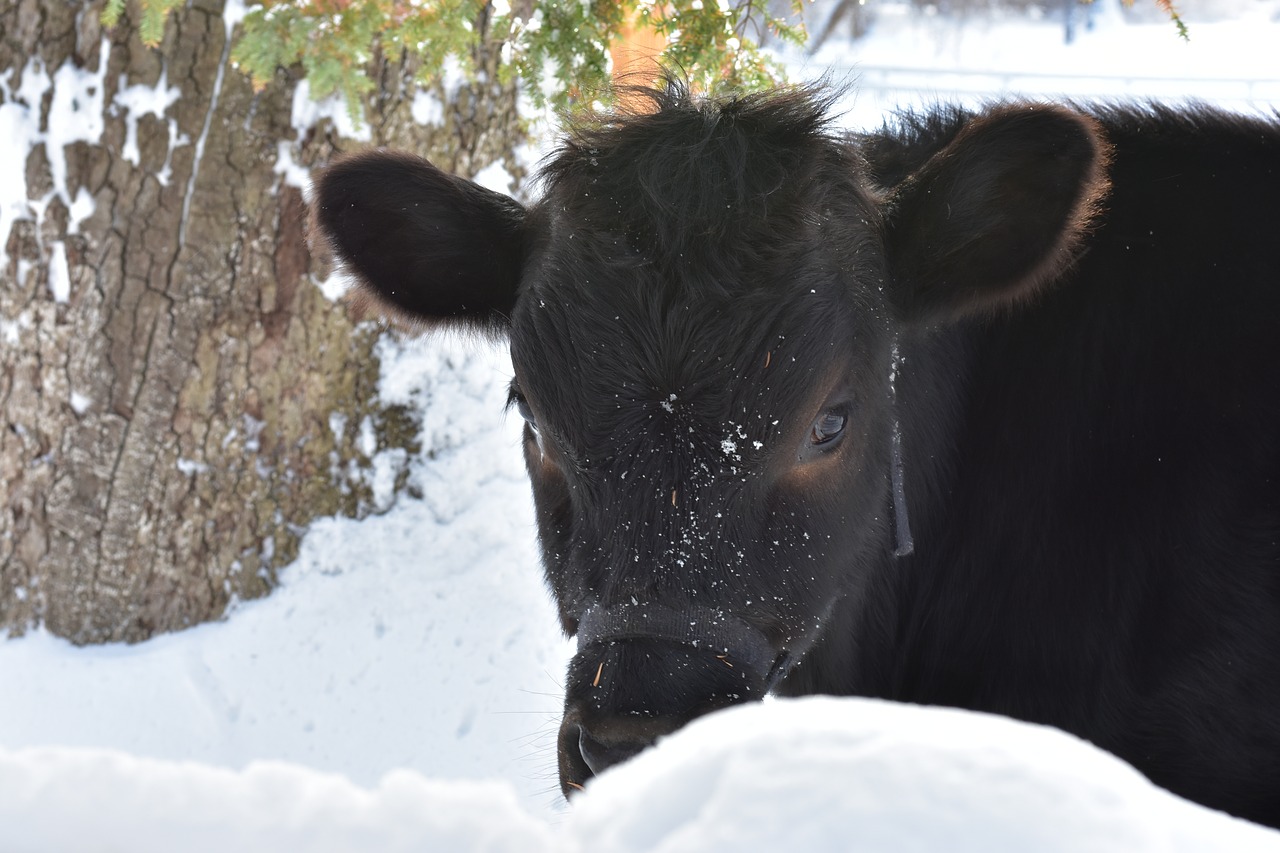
[{"x": 1167, "y": 7}]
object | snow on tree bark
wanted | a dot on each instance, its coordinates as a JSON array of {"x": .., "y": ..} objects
[{"x": 179, "y": 398}]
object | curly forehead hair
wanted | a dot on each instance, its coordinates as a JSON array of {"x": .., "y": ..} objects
[{"x": 692, "y": 169}]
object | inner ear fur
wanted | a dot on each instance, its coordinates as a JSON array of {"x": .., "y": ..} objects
[
  {"x": 423, "y": 245},
  {"x": 995, "y": 214}
]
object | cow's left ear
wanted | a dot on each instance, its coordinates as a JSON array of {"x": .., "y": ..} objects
[
  {"x": 994, "y": 214},
  {"x": 434, "y": 248}
]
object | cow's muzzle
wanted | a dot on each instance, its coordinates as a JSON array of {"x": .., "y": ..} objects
[{"x": 643, "y": 670}]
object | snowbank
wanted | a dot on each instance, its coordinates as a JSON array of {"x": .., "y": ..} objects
[
  {"x": 826, "y": 774},
  {"x": 421, "y": 639},
  {"x": 64, "y": 799},
  {"x": 816, "y": 775}
]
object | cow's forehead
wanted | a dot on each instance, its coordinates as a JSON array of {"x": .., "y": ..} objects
[
  {"x": 711, "y": 255},
  {"x": 600, "y": 347},
  {"x": 698, "y": 182}
]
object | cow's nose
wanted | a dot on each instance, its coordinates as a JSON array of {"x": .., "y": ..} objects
[
  {"x": 601, "y": 756},
  {"x": 586, "y": 750}
]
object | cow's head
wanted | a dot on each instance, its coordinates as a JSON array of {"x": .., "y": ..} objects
[{"x": 702, "y": 312}]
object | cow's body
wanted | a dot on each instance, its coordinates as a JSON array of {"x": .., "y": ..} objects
[
  {"x": 760, "y": 362},
  {"x": 1094, "y": 482}
]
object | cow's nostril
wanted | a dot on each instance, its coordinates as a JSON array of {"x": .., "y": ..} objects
[
  {"x": 574, "y": 771},
  {"x": 600, "y": 757}
]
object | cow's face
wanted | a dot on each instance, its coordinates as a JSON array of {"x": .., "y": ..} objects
[
  {"x": 703, "y": 313},
  {"x": 708, "y": 449}
]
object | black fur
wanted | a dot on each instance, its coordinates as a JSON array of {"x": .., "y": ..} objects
[
  {"x": 406, "y": 230},
  {"x": 1085, "y": 302}
]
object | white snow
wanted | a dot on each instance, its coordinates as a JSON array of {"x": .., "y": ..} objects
[
  {"x": 495, "y": 177},
  {"x": 75, "y": 113},
  {"x": 418, "y": 639},
  {"x": 307, "y": 113},
  {"x": 819, "y": 775},
  {"x": 233, "y": 12},
  {"x": 59, "y": 274},
  {"x": 913, "y": 59},
  {"x": 366, "y": 438},
  {"x": 387, "y": 466},
  {"x": 337, "y": 285},
  {"x": 82, "y": 206},
  {"x": 59, "y": 799},
  {"x": 427, "y": 109},
  {"x": 824, "y": 774},
  {"x": 294, "y": 174},
  {"x": 191, "y": 467},
  {"x": 11, "y": 330},
  {"x": 79, "y": 402},
  {"x": 19, "y": 133},
  {"x": 401, "y": 689},
  {"x": 139, "y": 100}
]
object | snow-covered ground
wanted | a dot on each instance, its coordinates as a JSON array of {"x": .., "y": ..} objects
[
  {"x": 421, "y": 638},
  {"x": 402, "y": 685},
  {"x": 818, "y": 775}
]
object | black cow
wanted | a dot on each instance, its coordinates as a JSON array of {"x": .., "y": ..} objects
[{"x": 980, "y": 410}]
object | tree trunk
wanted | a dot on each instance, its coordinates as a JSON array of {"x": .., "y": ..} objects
[{"x": 179, "y": 399}]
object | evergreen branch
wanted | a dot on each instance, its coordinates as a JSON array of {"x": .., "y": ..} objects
[{"x": 715, "y": 43}]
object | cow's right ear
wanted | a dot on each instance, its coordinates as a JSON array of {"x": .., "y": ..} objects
[
  {"x": 996, "y": 214},
  {"x": 434, "y": 248}
]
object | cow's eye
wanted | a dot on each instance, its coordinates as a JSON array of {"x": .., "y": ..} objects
[
  {"x": 515, "y": 398},
  {"x": 827, "y": 427},
  {"x": 522, "y": 406}
]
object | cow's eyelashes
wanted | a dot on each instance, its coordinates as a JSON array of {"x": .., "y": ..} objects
[{"x": 828, "y": 427}]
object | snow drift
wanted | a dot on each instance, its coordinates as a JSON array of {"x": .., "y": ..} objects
[{"x": 815, "y": 774}]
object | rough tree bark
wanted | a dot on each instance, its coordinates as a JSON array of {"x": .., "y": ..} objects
[{"x": 177, "y": 397}]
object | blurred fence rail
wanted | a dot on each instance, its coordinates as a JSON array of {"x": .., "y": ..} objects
[
  {"x": 882, "y": 87},
  {"x": 979, "y": 82}
]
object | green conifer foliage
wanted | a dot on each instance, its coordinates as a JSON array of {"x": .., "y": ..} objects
[{"x": 559, "y": 47}]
